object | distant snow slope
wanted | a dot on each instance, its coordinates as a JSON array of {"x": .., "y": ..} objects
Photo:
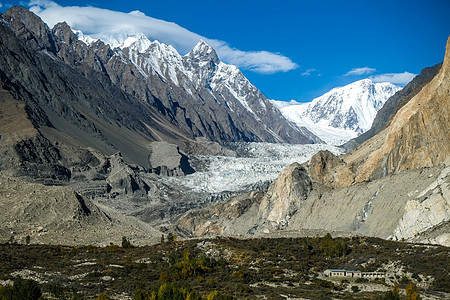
[{"x": 341, "y": 114}]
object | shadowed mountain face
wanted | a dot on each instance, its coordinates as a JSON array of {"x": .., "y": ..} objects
[
  {"x": 60, "y": 100},
  {"x": 197, "y": 93}
]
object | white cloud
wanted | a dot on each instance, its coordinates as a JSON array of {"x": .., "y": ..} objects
[
  {"x": 360, "y": 71},
  {"x": 308, "y": 72},
  {"x": 100, "y": 23},
  {"x": 394, "y": 78}
]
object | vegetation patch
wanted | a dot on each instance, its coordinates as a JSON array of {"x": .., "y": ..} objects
[{"x": 225, "y": 268}]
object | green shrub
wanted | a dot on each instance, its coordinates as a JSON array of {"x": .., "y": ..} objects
[
  {"x": 22, "y": 289},
  {"x": 56, "y": 290},
  {"x": 216, "y": 295},
  {"x": 126, "y": 243}
]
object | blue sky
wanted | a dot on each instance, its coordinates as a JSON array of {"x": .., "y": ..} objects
[{"x": 301, "y": 49}]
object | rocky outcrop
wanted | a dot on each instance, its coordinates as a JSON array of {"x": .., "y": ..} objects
[
  {"x": 167, "y": 159},
  {"x": 236, "y": 216},
  {"x": 123, "y": 179},
  {"x": 284, "y": 197},
  {"x": 430, "y": 208},
  {"x": 323, "y": 168},
  {"x": 58, "y": 215}
]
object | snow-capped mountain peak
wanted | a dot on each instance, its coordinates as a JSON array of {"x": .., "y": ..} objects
[
  {"x": 342, "y": 113},
  {"x": 351, "y": 107},
  {"x": 84, "y": 38},
  {"x": 203, "y": 54},
  {"x": 138, "y": 42},
  {"x": 202, "y": 47}
]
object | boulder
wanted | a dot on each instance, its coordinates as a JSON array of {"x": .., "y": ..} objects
[{"x": 167, "y": 159}]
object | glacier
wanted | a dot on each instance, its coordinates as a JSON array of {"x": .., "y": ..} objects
[{"x": 254, "y": 164}]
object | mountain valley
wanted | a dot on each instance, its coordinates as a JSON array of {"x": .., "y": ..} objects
[
  {"x": 403, "y": 171},
  {"x": 134, "y": 156},
  {"x": 127, "y": 142}
]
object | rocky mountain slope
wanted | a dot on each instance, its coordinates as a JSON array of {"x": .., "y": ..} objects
[
  {"x": 59, "y": 100},
  {"x": 395, "y": 185},
  {"x": 342, "y": 113},
  {"x": 59, "y": 127},
  {"x": 197, "y": 93}
]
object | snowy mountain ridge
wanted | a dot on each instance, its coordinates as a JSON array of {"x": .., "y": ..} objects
[
  {"x": 201, "y": 66},
  {"x": 342, "y": 113}
]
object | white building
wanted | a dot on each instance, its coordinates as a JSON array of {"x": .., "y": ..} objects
[{"x": 357, "y": 274}]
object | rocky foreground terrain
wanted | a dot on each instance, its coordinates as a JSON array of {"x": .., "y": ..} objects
[{"x": 229, "y": 268}]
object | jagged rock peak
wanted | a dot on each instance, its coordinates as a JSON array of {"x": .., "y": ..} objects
[
  {"x": 23, "y": 14},
  {"x": 64, "y": 33},
  {"x": 30, "y": 27},
  {"x": 204, "y": 52}
]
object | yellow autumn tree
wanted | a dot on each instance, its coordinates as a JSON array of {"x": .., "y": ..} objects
[{"x": 412, "y": 293}]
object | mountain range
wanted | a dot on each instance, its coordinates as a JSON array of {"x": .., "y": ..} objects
[
  {"x": 93, "y": 136},
  {"x": 134, "y": 94},
  {"x": 342, "y": 113},
  {"x": 197, "y": 92}
]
